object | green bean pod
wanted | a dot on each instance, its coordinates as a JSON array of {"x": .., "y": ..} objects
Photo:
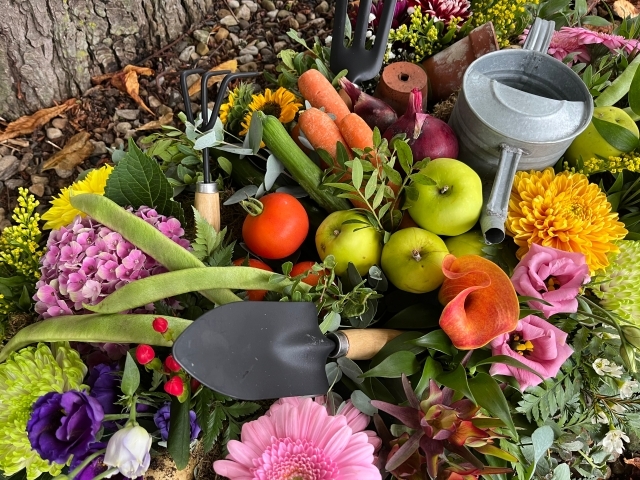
[
  {"x": 147, "y": 238},
  {"x": 129, "y": 328},
  {"x": 165, "y": 285}
]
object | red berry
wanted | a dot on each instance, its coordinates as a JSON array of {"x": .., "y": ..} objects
[
  {"x": 160, "y": 325},
  {"x": 174, "y": 386},
  {"x": 144, "y": 354},
  {"x": 171, "y": 364}
]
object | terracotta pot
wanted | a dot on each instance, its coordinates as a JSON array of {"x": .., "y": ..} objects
[
  {"x": 445, "y": 69},
  {"x": 397, "y": 81}
]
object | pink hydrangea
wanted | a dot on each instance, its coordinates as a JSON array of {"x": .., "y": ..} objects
[
  {"x": 537, "y": 344},
  {"x": 86, "y": 261},
  {"x": 552, "y": 275},
  {"x": 298, "y": 438},
  {"x": 577, "y": 40}
]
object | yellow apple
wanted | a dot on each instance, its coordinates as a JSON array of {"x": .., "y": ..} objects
[
  {"x": 470, "y": 243},
  {"x": 412, "y": 260},
  {"x": 590, "y": 144}
]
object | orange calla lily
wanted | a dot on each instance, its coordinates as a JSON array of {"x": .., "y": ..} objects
[{"x": 480, "y": 301}]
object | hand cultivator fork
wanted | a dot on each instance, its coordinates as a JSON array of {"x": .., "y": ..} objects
[
  {"x": 207, "y": 200},
  {"x": 361, "y": 63}
]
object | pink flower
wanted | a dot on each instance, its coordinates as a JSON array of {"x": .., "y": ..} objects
[
  {"x": 537, "y": 344},
  {"x": 552, "y": 275},
  {"x": 577, "y": 40},
  {"x": 297, "y": 438}
]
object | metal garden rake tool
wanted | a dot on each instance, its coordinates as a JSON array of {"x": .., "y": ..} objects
[
  {"x": 361, "y": 63},
  {"x": 207, "y": 200}
]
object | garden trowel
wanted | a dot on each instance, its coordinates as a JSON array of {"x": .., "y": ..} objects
[{"x": 263, "y": 350}]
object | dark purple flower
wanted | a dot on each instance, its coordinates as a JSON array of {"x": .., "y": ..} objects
[
  {"x": 105, "y": 386},
  {"x": 161, "y": 419},
  {"x": 96, "y": 466},
  {"x": 64, "y": 424}
]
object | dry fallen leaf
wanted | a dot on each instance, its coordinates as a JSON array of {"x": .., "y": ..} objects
[
  {"x": 129, "y": 68},
  {"x": 633, "y": 461},
  {"x": 28, "y": 124},
  {"x": 165, "y": 119},
  {"x": 127, "y": 82},
  {"x": 231, "y": 65},
  {"x": 76, "y": 151},
  {"x": 625, "y": 9}
]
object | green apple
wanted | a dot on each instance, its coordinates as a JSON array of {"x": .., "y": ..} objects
[
  {"x": 412, "y": 260},
  {"x": 349, "y": 242},
  {"x": 453, "y": 205},
  {"x": 589, "y": 144},
  {"x": 470, "y": 243}
]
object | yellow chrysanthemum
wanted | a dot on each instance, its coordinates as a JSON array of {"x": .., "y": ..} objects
[
  {"x": 563, "y": 211},
  {"x": 281, "y": 104},
  {"x": 226, "y": 107},
  {"x": 62, "y": 212}
]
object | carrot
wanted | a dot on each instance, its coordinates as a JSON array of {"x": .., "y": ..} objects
[
  {"x": 322, "y": 132},
  {"x": 295, "y": 133},
  {"x": 319, "y": 92},
  {"x": 357, "y": 134}
]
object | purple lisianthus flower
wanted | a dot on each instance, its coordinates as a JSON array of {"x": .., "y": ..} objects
[
  {"x": 64, "y": 424},
  {"x": 161, "y": 419},
  {"x": 536, "y": 343},
  {"x": 105, "y": 385},
  {"x": 552, "y": 275}
]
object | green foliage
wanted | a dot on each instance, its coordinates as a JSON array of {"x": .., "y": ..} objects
[
  {"x": 137, "y": 180},
  {"x": 180, "y": 431},
  {"x": 209, "y": 246},
  {"x": 220, "y": 415},
  {"x": 295, "y": 64},
  {"x": 553, "y": 396}
]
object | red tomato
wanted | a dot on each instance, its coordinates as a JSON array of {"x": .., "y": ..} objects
[
  {"x": 304, "y": 267},
  {"x": 279, "y": 230},
  {"x": 254, "y": 295}
]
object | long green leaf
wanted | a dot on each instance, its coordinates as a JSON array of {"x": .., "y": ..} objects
[
  {"x": 619, "y": 87},
  {"x": 507, "y": 360},
  {"x": 489, "y": 396},
  {"x": 615, "y": 135},
  {"x": 394, "y": 366},
  {"x": 179, "y": 433},
  {"x": 457, "y": 380},
  {"x": 146, "y": 237},
  {"x": 130, "y": 376},
  {"x": 170, "y": 284},
  {"x": 129, "y": 328},
  {"x": 634, "y": 93}
]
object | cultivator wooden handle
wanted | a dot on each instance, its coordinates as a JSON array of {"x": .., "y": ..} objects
[{"x": 208, "y": 203}]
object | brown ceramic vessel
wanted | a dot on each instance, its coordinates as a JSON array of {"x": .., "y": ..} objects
[{"x": 397, "y": 81}]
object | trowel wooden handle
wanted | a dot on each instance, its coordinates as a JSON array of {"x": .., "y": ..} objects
[
  {"x": 366, "y": 342},
  {"x": 208, "y": 204}
]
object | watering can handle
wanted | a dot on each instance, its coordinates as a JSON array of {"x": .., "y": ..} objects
[{"x": 539, "y": 37}]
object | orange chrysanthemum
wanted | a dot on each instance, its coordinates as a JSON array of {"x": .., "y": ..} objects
[{"x": 563, "y": 211}]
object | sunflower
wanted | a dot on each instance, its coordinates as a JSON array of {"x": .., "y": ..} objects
[
  {"x": 281, "y": 104},
  {"x": 563, "y": 211},
  {"x": 226, "y": 107},
  {"x": 62, "y": 212}
]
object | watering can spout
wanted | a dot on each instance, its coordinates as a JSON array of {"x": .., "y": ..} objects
[{"x": 494, "y": 215}]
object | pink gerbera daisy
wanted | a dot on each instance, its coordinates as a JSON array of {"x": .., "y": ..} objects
[
  {"x": 297, "y": 439},
  {"x": 576, "y": 40}
]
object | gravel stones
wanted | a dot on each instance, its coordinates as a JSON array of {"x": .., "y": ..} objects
[
  {"x": 53, "y": 133},
  {"x": 185, "y": 55},
  {"x": 60, "y": 123},
  {"x": 202, "y": 49},
  {"x": 202, "y": 36},
  {"x": 268, "y": 5},
  {"x": 243, "y": 13},
  {"x": 249, "y": 50},
  {"x": 127, "y": 114},
  {"x": 123, "y": 127},
  {"x": 221, "y": 35},
  {"x": 9, "y": 166},
  {"x": 322, "y": 8},
  {"x": 228, "y": 21}
]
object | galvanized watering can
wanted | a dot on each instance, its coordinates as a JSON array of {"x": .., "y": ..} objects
[{"x": 517, "y": 110}]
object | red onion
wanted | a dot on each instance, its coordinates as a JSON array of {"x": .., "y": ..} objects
[
  {"x": 428, "y": 136},
  {"x": 373, "y": 111}
]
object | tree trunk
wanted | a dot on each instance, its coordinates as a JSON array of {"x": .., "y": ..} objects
[{"x": 50, "y": 49}]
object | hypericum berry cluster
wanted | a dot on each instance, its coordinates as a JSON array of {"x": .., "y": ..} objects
[{"x": 86, "y": 261}]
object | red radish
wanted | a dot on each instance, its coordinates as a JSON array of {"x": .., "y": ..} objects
[
  {"x": 372, "y": 110},
  {"x": 428, "y": 136}
]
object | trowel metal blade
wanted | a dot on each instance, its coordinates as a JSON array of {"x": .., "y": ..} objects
[{"x": 257, "y": 350}]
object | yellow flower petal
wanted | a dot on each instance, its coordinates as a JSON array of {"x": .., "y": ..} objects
[{"x": 563, "y": 211}]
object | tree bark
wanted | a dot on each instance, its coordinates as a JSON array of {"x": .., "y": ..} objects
[{"x": 50, "y": 49}]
